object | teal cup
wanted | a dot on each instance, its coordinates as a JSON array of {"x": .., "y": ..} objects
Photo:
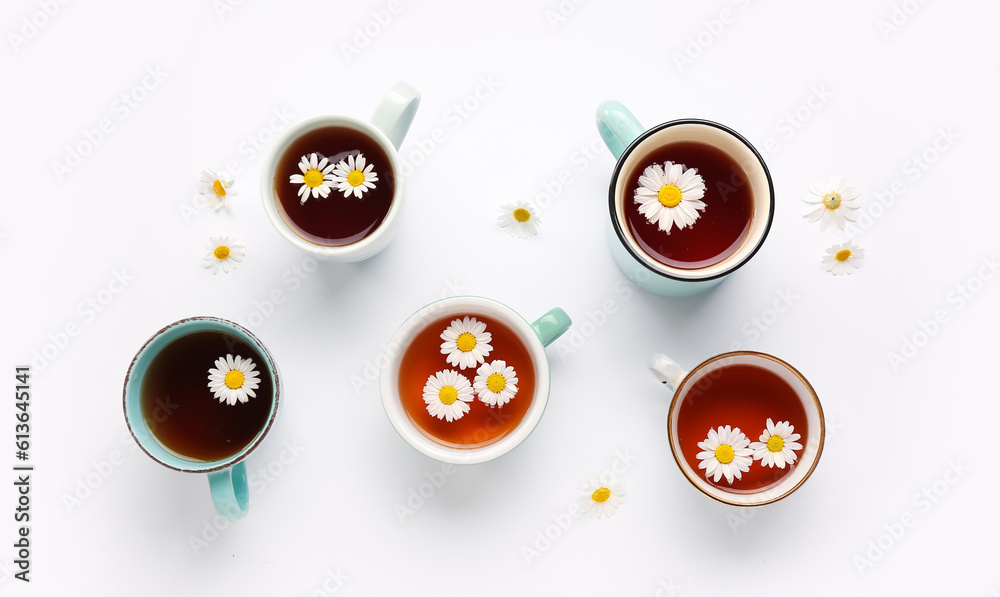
[
  {"x": 631, "y": 144},
  {"x": 227, "y": 478}
]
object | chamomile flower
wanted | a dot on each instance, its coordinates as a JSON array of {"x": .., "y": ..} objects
[
  {"x": 316, "y": 177},
  {"x": 670, "y": 195},
  {"x": 352, "y": 176},
  {"x": 776, "y": 444},
  {"x": 448, "y": 394},
  {"x": 601, "y": 496},
  {"x": 833, "y": 205},
  {"x": 725, "y": 452},
  {"x": 519, "y": 219},
  {"x": 496, "y": 383},
  {"x": 222, "y": 253},
  {"x": 215, "y": 189},
  {"x": 466, "y": 342},
  {"x": 233, "y": 379},
  {"x": 843, "y": 258}
]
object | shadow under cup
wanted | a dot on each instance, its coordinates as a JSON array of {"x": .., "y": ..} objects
[{"x": 638, "y": 264}]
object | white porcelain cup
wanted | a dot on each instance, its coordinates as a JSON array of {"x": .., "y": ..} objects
[{"x": 387, "y": 128}]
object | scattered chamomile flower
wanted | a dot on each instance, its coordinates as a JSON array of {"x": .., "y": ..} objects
[
  {"x": 496, "y": 383},
  {"x": 233, "y": 379},
  {"x": 215, "y": 189},
  {"x": 843, "y": 258},
  {"x": 447, "y": 394},
  {"x": 352, "y": 176},
  {"x": 316, "y": 177},
  {"x": 725, "y": 452},
  {"x": 519, "y": 219},
  {"x": 224, "y": 253},
  {"x": 466, "y": 342},
  {"x": 601, "y": 496},
  {"x": 832, "y": 205},
  {"x": 670, "y": 195},
  {"x": 776, "y": 444}
]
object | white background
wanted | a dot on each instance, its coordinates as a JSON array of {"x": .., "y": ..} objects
[{"x": 863, "y": 101}]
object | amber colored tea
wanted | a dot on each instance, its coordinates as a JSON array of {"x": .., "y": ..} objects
[
  {"x": 721, "y": 227},
  {"x": 743, "y": 396},
  {"x": 183, "y": 413},
  {"x": 483, "y": 424},
  {"x": 334, "y": 220}
]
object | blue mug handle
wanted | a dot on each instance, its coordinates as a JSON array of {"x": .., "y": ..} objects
[
  {"x": 550, "y": 326},
  {"x": 230, "y": 491},
  {"x": 618, "y": 127}
]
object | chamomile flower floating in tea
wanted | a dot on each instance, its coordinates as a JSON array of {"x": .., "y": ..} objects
[
  {"x": 447, "y": 394},
  {"x": 215, "y": 190},
  {"x": 496, "y": 383},
  {"x": 725, "y": 452},
  {"x": 843, "y": 258},
  {"x": 670, "y": 195},
  {"x": 602, "y": 496},
  {"x": 222, "y": 253},
  {"x": 519, "y": 219},
  {"x": 233, "y": 379},
  {"x": 833, "y": 205},
  {"x": 776, "y": 444},
  {"x": 316, "y": 177},
  {"x": 352, "y": 176},
  {"x": 466, "y": 342}
]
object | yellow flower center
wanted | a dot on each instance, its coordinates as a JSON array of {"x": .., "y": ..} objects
[
  {"x": 775, "y": 443},
  {"x": 842, "y": 255},
  {"x": 234, "y": 379},
  {"x": 466, "y": 342},
  {"x": 831, "y": 200},
  {"x": 355, "y": 178},
  {"x": 601, "y": 495},
  {"x": 496, "y": 383},
  {"x": 219, "y": 188},
  {"x": 725, "y": 454},
  {"x": 312, "y": 178},
  {"x": 669, "y": 195},
  {"x": 221, "y": 252},
  {"x": 448, "y": 395},
  {"x": 522, "y": 215}
]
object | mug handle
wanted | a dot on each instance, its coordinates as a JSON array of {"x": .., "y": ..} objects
[
  {"x": 666, "y": 370},
  {"x": 395, "y": 114},
  {"x": 230, "y": 491},
  {"x": 550, "y": 326},
  {"x": 618, "y": 127}
]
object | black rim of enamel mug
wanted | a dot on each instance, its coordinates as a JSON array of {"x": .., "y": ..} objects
[{"x": 642, "y": 257}]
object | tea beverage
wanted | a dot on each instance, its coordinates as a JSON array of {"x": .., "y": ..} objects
[
  {"x": 335, "y": 220},
  {"x": 721, "y": 227},
  {"x": 181, "y": 411},
  {"x": 482, "y": 424}
]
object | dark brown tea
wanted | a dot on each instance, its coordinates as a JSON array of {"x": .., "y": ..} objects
[
  {"x": 721, "y": 227},
  {"x": 335, "y": 220},
  {"x": 183, "y": 413},
  {"x": 482, "y": 424},
  {"x": 743, "y": 396}
]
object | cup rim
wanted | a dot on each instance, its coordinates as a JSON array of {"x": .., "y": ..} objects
[
  {"x": 269, "y": 200},
  {"x": 418, "y": 321},
  {"x": 226, "y": 462},
  {"x": 675, "y": 450},
  {"x": 641, "y": 256}
]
